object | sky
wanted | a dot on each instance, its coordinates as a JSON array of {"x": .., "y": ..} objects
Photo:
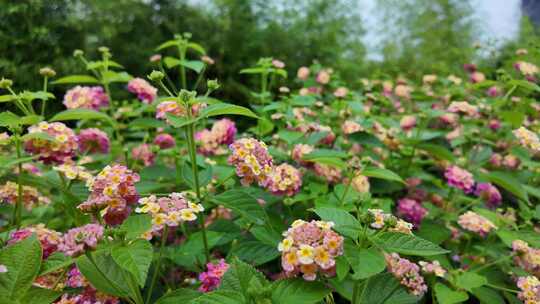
[{"x": 498, "y": 21}]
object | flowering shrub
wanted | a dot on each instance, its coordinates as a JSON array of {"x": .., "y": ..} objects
[{"x": 388, "y": 190}]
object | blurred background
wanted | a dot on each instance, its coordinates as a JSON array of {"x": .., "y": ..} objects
[{"x": 362, "y": 38}]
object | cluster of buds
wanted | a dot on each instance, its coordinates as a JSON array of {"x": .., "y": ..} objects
[
  {"x": 145, "y": 91},
  {"x": 463, "y": 107},
  {"x": 527, "y": 139},
  {"x": 86, "y": 97},
  {"x": 78, "y": 240},
  {"x": 407, "y": 273},
  {"x": 252, "y": 161},
  {"x": 529, "y": 289},
  {"x": 164, "y": 141},
  {"x": 489, "y": 193},
  {"x": 411, "y": 210},
  {"x": 49, "y": 239},
  {"x": 310, "y": 247},
  {"x": 169, "y": 210},
  {"x": 112, "y": 192},
  {"x": 433, "y": 267},
  {"x": 72, "y": 172},
  {"x": 60, "y": 149},
  {"x": 526, "y": 257},
  {"x": 330, "y": 173},
  {"x": 30, "y": 196},
  {"x": 459, "y": 178},
  {"x": 211, "y": 278},
  {"x": 144, "y": 153},
  {"x": 222, "y": 133},
  {"x": 284, "y": 180},
  {"x": 378, "y": 219},
  {"x": 93, "y": 140},
  {"x": 475, "y": 223}
]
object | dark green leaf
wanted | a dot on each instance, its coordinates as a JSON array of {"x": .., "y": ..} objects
[
  {"x": 298, "y": 291},
  {"x": 76, "y": 79},
  {"x": 406, "y": 244},
  {"x": 344, "y": 222},
  {"x": 134, "y": 257}
]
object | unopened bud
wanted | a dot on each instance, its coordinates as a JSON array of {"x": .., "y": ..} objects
[
  {"x": 156, "y": 76},
  {"x": 212, "y": 84},
  {"x": 155, "y": 58},
  {"x": 47, "y": 72},
  {"x": 103, "y": 49},
  {"x": 186, "y": 95},
  {"x": 187, "y": 35},
  {"x": 5, "y": 83},
  {"x": 78, "y": 53}
]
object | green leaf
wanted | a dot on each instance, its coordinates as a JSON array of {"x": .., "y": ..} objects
[
  {"x": 30, "y": 120},
  {"x": 194, "y": 65},
  {"x": 508, "y": 236},
  {"x": 382, "y": 174},
  {"x": 406, "y": 244},
  {"x": 205, "y": 176},
  {"x": 8, "y": 119},
  {"x": 239, "y": 276},
  {"x": 445, "y": 295},
  {"x": 135, "y": 257},
  {"x": 242, "y": 203},
  {"x": 6, "y": 98},
  {"x": 135, "y": 225},
  {"x": 38, "y": 295},
  {"x": 255, "y": 252},
  {"x": 167, "y": 44},
  {"x": 38, "y": 135},
  {"x": 434, "y": 232},
  {"x": 220, "y": 297},
  {"x": 488, "y": 296},
  {"x": 80, "y": 114},
  {"x": 109, "y": 272},
  {"x": 470, "y": 280},
  {"x": 112, "y": 76},
  {"x": 385, "y": 289},
  {"x": 364, "y": 262},
  {"x": 179, "y": 122},
  {"x": 196, "y": 47},
  {"x": 253, "y": 71},
  {"x": 290, "y": 136},
  {"x": 437, "y": 151},
  {"x": 344, "y": 222},
  {"x": 298, "y": 291},
  {"x": 147, "y": 123},
  {"x": 76, "y": 79},
  {"x": 171, "y": 62},
  {"x": 507, "y": 182},
  {"x": 22, "y": 260},
  {"x": 192, "y": 251},
  {"x": 181, "y": 295},
  {"x": 54, "y": 262},
  {"x": 226, "y": 109}
]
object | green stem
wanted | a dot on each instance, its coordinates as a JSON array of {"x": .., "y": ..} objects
[
  {"x": 199, "y": 79},
  {"x": 18, "y": 207},
  {"x": 182, "y": 53},
  {"x": 492, "y": 263},
  {"x": 346, "y": 191},
  {"x": 44, "y": 101},
  {"x": 502, "y": 288},
  {"x": 158, "y": 263}
]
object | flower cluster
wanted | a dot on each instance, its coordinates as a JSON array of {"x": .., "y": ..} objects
[
  {"x": 169, "y": 210},
  {"x": 164, "y": 141},
  {"x": 144, "y": 153},
  {"x": 310, "y": 247},
  {"x": 330, "y": 173},
  {"x": 489, "y": 193},
  {"x": 93, "y": 140},
  {"x": 60, "y": 149},
  {"x": 529, "y": 289},
  {"x": 78, "y": 240},
  {"x": 526, "y": 68},
  {"x": 378, "y": 219},
  {"x": 252, "y": 161},
  {"x": 459, "y": 178},
  {"x": 172, "y": 107},
  {"x": 433, "y": 267},
  {"x": 284, "y": 180},
  {"x": 476, "y": 223},
  {"x": 463, "y": 107},
  {"x": 299, "y": 151},
  {"x": 211, "y": 278},
  {"x": 112, "y": 191},
  {"x": 86, "y": 97},
  {"x": 527, "y": 139},
  {"x": 360, "y": 183},
  {"x": 222, "y": 133},
  {"x": 526, "y": 257},
  {"x": 87, "y": 295},
  {"x": 145, "y": 91},
  {"x": 407, "y": 273},
  {"x": 411, "y": 210},
  {"x": 72, "y": 172},
  {"x": 49, "y": 239},
  {"x": 30, "y": 195}
]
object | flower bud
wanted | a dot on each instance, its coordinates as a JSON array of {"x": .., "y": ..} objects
[
  {"x": 212, "y": 84},
  {"x": 103, "y": 49},
  {"x": 155, "y": 58},
  {"x": 187, "y": 35},
  {"x": 156, "y": 76},
  {"x": 47, "y": 72},
  {"x": 5, "y": 83},
  {"x": 78, "y": 53},
  {"x": 186, "y": 96}
]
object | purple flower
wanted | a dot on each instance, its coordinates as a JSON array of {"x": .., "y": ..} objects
[
  {"x": 164, "y": 141},
  {"x": 212, "y": 277},
  {"x": 80, "y": 239},
  {"x": 145, "y": 91},
  {"x": 411, "y": 210},
  {"x": 459, "y": 178},
  {"x": 93, "y": 140},
  {"x": 86, "y": 98},
  {"x": 489, "y": 193}
]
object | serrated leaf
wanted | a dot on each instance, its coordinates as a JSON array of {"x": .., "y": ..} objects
[
  {"x": 242, "y": 203},
  {"x": 364, "y": 262},
  {"x": 255, "y": 252},
  {"x": 226, "y": 109},
  {"x": 134, "y": 257},
  {"x": 470, "y": 280},
  {"x": 135, "y": 225},
  {"x": 8, "y": 119},
  {"x": 38, "y": 295},
  {"x": 181, "y": 295},
  {"x": 343, "y": 221},
  {"x": 194, "y": 65},
  {"x": 22, "y": 260},
  {"x": 80, "y": 114},
  {"x": 445, "y": 295},
  {"x": 406, "y": 244},
  {"x": 54, "y": 262},
  {"x": 108, "y": 272},
  {"x": 147, "y": 123},
  {"x": 76, "y": 79},
  {"x": 437, "y": 151},
  {"x": 382, "y": 174},
  {"x": 385, "y": 289},
  {"x": 488, "y": 296},
  {"x": 239, "y": 275},
  {"x": 507, "y": 182},
  {"x": 220, "y": 297},
  {"x": 298, "y": 291},
  {"x": 171, "y": 62}
]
